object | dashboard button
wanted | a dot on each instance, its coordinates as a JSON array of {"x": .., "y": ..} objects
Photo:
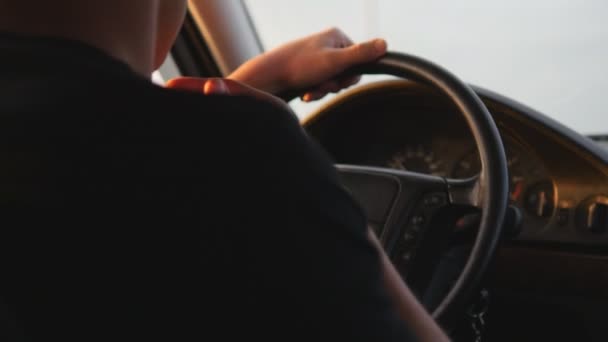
[
  {"x": 540, "y": 200},
  {"x": 435, "y": 200},
  {"x": 417, "y": 220},
  {"x": 593, "y": 215},
  {"x": 408, "y": 237}
]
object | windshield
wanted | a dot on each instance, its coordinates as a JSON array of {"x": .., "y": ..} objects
[{"x": 551, "y": 55}]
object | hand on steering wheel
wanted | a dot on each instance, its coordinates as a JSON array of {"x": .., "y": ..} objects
[{"x": 310, "y": 67}]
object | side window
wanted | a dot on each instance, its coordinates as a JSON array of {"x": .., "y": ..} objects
[
  {"x": 166, "y": 72},
  {"x": 548, "y": 54},
  {"x": 276, "y": 24}
]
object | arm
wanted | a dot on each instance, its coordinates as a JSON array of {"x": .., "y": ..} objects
[{"x": 309, "y": 66}]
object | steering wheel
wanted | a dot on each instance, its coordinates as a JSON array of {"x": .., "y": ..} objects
[{"x": 410, "y": 210}]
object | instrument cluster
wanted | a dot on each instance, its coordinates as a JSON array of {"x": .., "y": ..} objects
[{"x": 531, "y": 188}]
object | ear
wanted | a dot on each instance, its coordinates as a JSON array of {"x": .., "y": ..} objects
[{"x": 171, "y": 14}]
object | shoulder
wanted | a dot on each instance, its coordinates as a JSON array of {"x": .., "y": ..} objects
[
  {"x": 230, "y": 114},
  {"x": 252, "y": 147}
]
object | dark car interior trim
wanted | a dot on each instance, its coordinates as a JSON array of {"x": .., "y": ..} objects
[{"x": 191, "y": 53}]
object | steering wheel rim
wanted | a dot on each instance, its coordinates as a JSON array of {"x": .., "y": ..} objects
[{"x": 493, "y": 190}]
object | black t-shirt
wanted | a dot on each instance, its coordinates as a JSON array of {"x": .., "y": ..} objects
[{"x": 130, "y": 212}]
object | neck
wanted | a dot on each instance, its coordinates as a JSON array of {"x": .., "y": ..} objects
[{"x": 122, "y": 29}]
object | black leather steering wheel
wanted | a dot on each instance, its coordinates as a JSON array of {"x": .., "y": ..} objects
[{"x": 406, "y": 206}]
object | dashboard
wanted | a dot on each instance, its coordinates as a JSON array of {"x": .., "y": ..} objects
[
  {"x": 558, "y": 178},
  {"x": 531, "y": 187}
]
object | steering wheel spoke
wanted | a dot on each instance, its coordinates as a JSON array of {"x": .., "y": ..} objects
[
  {"x": 398, "y": 204},
  {"x": 465, "y": 192}
]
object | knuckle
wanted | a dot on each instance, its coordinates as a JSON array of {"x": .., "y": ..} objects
[
  {"x": 358, "y": 49},
  {"x": 333, "y": 30}
]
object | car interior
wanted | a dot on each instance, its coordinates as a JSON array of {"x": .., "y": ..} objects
[{"x": 495, "y": 214}]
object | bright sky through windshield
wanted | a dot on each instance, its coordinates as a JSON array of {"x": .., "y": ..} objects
[{"x": 551, "y": 55}]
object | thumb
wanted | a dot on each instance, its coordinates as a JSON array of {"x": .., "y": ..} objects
[
  {"x": 216, "y": 86},
  {"x": 209, "y": 86},
  {"x": 361, "y": 53}
]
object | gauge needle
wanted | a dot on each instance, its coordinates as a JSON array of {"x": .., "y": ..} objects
[
  {"x": 517, "y": 190},
  {"x": 542, "y": 201}
]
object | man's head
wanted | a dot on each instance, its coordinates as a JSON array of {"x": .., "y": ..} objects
[{"x": 139, "y": 32}]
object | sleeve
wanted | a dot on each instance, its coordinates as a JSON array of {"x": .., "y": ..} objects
[{"x": 308, "y": 269}]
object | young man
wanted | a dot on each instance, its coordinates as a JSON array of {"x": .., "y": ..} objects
[{"x": 133, "y": 212}]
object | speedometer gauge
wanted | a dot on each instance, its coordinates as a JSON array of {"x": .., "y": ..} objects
[
  {"x": 470, "y": 166},
  {"x": 418, "y": 159}
]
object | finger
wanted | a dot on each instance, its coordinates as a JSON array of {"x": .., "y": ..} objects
[
  {"x": 331, "y": 86},
  {"x": 335, "y": 38},
  {"x": 187, "y": 83},
  {"x": 313, "y": 96},
  {"x": 320, "y": 91},
  {"x": 209, "y": 86},
  {"x": 349, "y": 81},
  {"x": 348, "y": 41},
  {"x": 360, "y": 53},
  {"x": 215, "y": 86},
  {"x": 343, "y": 41},
  {"x": 336, "y": 85}
]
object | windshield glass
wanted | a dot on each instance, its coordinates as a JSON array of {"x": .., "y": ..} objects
[{"x": 551, "y": 55}]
